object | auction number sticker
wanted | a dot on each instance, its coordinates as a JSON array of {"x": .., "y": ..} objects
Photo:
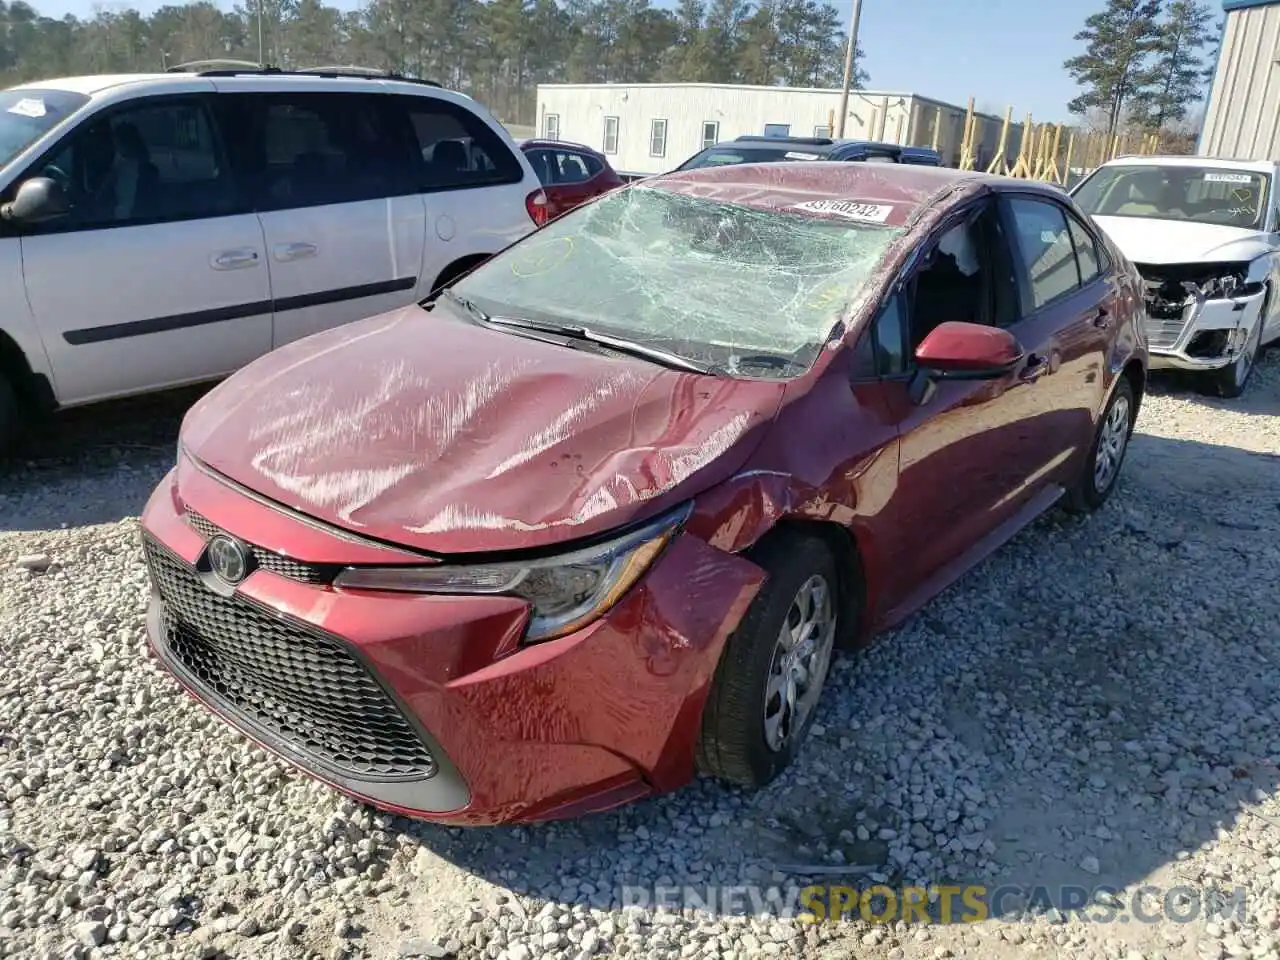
[
  {"x": 850, "y": 210},
  {"x": 1228, "y": 178},
  {"x": 29, "y": 107},
  {"x": 796, "y": 155}
]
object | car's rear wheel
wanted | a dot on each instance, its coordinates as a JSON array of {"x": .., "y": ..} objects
[
  {"x": 1231, "y": 381},
  {"x": 766, "y": 688},
  {"x": 1110, "y": 444}
]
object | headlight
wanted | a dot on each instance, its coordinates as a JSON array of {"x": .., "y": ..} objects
[
  {"x": 1228, "y": 285},
  {"x": 566, "y": 592}
]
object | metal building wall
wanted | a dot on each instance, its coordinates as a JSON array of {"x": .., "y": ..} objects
[{"x": 1242, "y": 119}]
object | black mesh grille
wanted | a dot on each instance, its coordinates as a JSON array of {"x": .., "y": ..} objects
[
  {"x": 301, "y": 688},
  {"x": 266, "y": 560}
]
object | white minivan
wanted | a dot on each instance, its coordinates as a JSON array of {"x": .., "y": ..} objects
[{"x": 165, "y": 229}]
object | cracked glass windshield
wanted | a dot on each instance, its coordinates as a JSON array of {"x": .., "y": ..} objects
[
  {"x": 1209, "y": 195},
  {"x": 748, "y": 291}
]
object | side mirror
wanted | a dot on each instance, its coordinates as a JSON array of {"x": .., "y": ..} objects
[
  {"x": 38, "y": 200},
  {"x": 968, "y": 351},
  {"x": 964, "y": 351}
]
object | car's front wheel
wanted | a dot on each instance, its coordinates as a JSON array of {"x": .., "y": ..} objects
[
  {"x": 766, "y": 688},
  {"x": 1110, "y": 443},
  {"x": 1230, "y": 382}
]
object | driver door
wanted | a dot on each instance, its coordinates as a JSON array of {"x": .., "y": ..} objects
[
  {"x": 158, "y": 275},
  {"x": 968, "y": 450}
]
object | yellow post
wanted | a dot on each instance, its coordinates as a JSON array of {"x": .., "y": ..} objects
[
  {"x": 998, "y": 161},
  {"x": 1066, "y": 169},
  {"x": 831, "y": 121},
  {"x": 937, "y": 126},
  {"x": 897, "y": 133},
  {"x": 1022, "y": 168},
  {"x": 966, "y": 138}
]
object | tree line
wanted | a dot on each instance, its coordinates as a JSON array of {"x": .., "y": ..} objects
[
  {"x": 497, "y": 51},
  {"x": 1146, "y": 63}
]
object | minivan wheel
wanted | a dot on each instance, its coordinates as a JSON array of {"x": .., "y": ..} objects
[
  {"x": 10, "y": 418},
  {"x": 1110, "y": 444},
  {"x": 770, "y": 677}
]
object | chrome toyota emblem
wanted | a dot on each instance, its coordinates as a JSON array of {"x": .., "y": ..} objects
[{"x": 227, "y": 559}]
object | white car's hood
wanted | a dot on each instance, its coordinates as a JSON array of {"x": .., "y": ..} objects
[{"x": 1145, "y": 240}]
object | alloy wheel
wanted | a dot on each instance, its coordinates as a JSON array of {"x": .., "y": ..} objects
[
  {"x": 1112, "y": 439},
  {"x": 801, "y": 657}
]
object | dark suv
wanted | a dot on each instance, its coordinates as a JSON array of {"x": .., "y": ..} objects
[{"x": 758, "y": 149}]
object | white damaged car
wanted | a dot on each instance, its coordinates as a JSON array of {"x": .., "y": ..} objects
[{"x": 1203, "y": 234}]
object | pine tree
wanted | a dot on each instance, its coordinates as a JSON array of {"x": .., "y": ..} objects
[
  {"x": 1116, "y": 63},
  {"x": 1178, "y": 68}
]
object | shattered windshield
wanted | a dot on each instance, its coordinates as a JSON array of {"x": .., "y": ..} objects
[
  {"x": 749, "y": 291},
  {"x": 1208, "y": 195},
  {"x": 26, "y": 115}
]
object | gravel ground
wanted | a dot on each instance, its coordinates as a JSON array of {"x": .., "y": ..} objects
[{"x": 1095, "y": 705}]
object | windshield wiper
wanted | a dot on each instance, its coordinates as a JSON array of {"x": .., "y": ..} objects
[
  {"x": 474, "y": 312},
  {"x": 622, "y": 345}
]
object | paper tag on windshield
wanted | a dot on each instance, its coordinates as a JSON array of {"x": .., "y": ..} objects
[
  {"x": 864, "y": 212},
  {"x": 29, "y": 107},
  {"x": 1228, "y": 178},
  {"x": 793, "y": 155}
]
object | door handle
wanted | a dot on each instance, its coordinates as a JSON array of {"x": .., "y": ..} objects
[
  {"x": 1036, "y": 367},
  {"x": 235, "y": 259},
  {"x": 284, "y": 252},
  {"x": 1102, "y": 319}
]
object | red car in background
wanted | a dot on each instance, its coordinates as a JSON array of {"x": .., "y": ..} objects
[
  {"x": 571, "y": 173},
  {"x": 599, "y": 513}
]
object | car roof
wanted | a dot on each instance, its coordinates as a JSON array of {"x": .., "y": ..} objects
[
  {"x": 539, "y": 143},
  {"x": 95, "y": 84},
  {"x": 772, "y": 186},
  {"x": 1255, "y": 166}
]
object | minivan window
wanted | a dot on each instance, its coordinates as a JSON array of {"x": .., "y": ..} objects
[
  {"x": 716, "y": 282},
  {"x": 327, "y": 148},
  {"x": 152, "y": 161},
  {"x": 27, "y": 115},
  {"x": 457, "y": 148}
]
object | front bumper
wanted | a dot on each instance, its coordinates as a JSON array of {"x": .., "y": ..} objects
[
  {"x": 1204, "y": 334},
  {"x": 430, "y": 706}
]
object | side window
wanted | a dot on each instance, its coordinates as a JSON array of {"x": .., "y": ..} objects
[
  {"x": 572, "y": 168},
  {"x": 156, "y": 161},
  {"x": 1045, "y": 249},
  {"x": 541, "y": 161},
  {"x": 889, "y": 337},
  {"x": 1086, "y": 250},
  {"x": 551, "y": 126},
  {"x": 326, "y": 148},
  {"x": 457, "y": 148},
  {"x": 657, "y": 138},
  {"x": 610, "y": 134}
]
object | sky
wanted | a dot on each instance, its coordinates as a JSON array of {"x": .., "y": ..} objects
[{"x": 1001, "y": 52}]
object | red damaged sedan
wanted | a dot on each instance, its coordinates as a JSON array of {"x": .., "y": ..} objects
[{"x": 598, "y": 514}]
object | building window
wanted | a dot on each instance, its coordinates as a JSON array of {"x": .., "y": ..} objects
[
  {"x": 777, "y": 129},
  {"x": 610, "y": 134},
  {"x": 657, "y": 138},
  {"x": 551, "y": 126},
  {"x": 710, "y": 133},
  {"x": 822, "y": 131}
]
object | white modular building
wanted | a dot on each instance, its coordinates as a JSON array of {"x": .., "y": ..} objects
[
  {"x": 653, "y": 127},
  {"x": 1242, "y": 116}
]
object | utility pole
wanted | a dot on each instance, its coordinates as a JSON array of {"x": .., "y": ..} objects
[
  {"x": 261, "y": 61},
  {"x": 848, "y": 67}
]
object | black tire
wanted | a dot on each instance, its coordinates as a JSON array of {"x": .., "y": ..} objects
[
  {"x": 732, "y": 743},
  {"x": 1090, "y": 492},
  {"x": 1230, "y": 382},
  {"x": 10, "y": 418}
]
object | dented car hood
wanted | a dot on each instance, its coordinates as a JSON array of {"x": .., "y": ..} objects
[{"x": 450, "y": 438}]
